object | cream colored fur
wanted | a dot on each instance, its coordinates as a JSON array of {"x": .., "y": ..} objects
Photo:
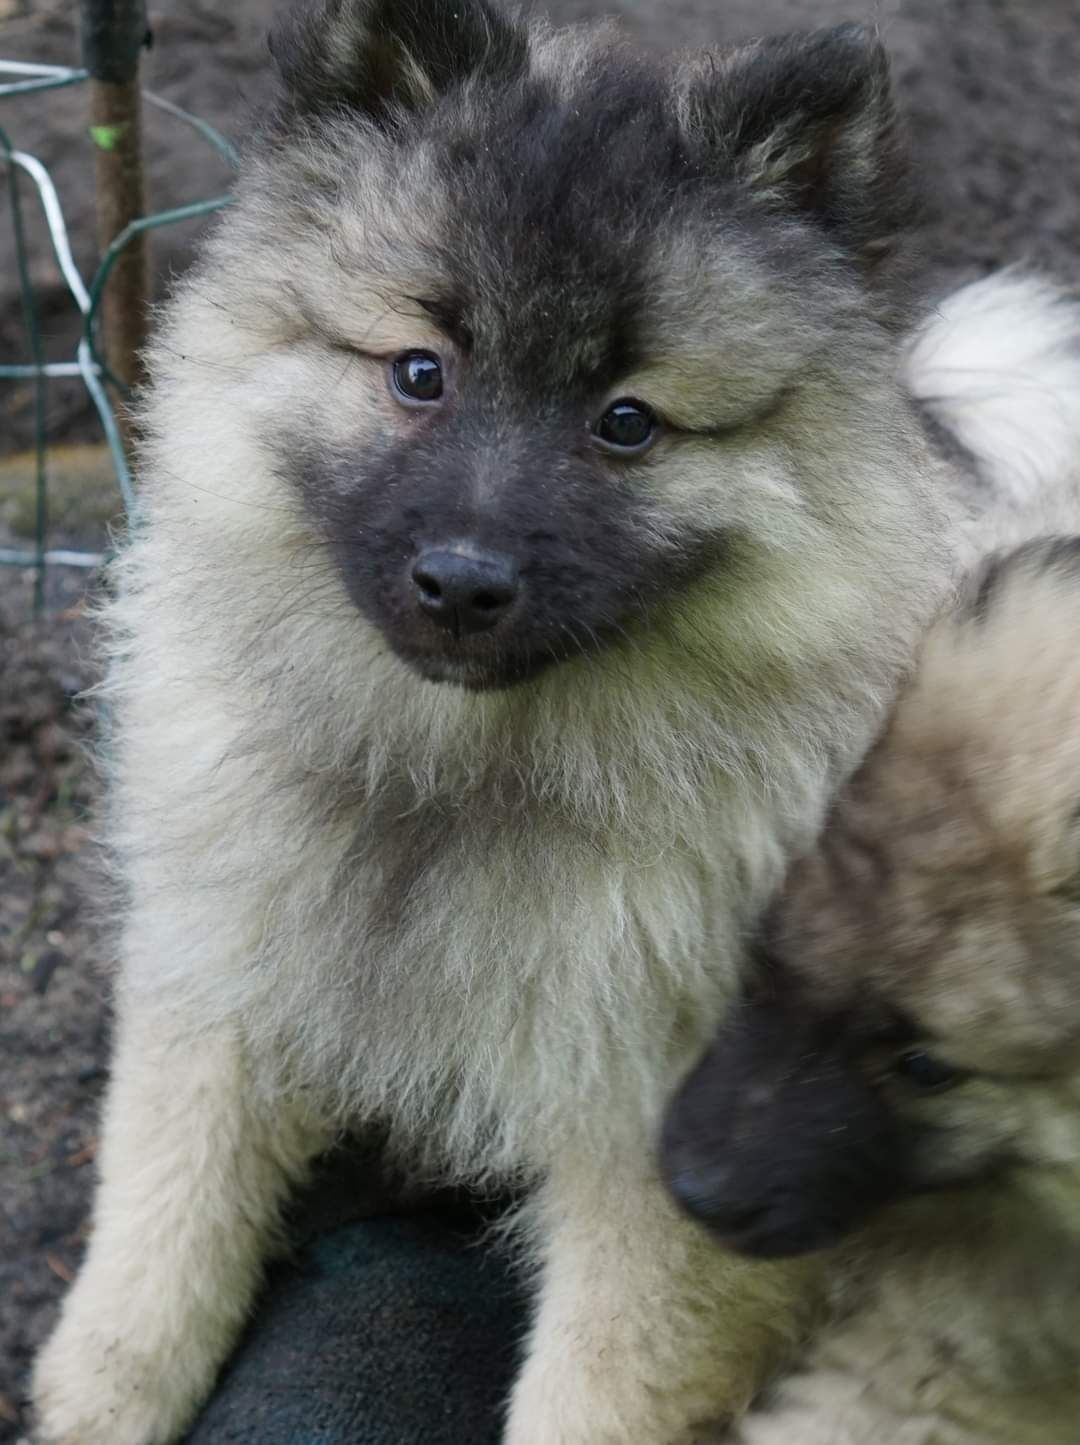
[
  {"x": 961, "y": 1336},
  {"x": 999, "y": 365}
]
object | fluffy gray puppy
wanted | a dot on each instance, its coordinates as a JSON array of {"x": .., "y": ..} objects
[
  {"x": 920, "y": 1049},
  {"x": 534, "y": 525}
]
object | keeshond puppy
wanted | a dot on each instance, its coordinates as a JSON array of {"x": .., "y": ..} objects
[
  {"x": 534, "y": 523},
  {"x": 915, "y": 1044}
]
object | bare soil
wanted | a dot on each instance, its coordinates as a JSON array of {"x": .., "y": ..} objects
[{"x": 53, "y": 996}]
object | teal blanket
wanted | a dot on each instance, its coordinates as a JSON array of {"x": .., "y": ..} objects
[{"x": 383, "y": 1331}]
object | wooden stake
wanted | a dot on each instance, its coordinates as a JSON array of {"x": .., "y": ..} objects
[{"x": 113, "y": 33}]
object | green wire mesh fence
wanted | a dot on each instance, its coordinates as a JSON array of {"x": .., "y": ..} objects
[{"x": 87, "y": 363}]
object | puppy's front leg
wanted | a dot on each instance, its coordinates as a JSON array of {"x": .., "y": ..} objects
[
  {"x": 193, "y": 1172},
  {"x": 646, "y": 1331}
]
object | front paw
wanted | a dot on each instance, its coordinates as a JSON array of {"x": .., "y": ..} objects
[
  {"x": 545, "y": 1410},
  {"x": 90, "y": 1387},
  {"x": 574, "y": 1402}
]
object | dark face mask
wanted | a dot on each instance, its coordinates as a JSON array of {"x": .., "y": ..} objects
[{"x": 776, "y": 1141}]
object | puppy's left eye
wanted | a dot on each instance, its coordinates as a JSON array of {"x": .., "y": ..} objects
[
  {"x": 417, "y": 377},
  {"x": 628, "y": 426},
  {"x": 924, "y": 1072}
]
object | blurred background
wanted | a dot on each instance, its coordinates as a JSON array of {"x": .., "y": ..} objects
[{"x": 990, "y": 94}]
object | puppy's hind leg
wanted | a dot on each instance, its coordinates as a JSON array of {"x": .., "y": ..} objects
[
  {"x": 647, "y": 1333},
  {"x": 193, "y": 1172}
]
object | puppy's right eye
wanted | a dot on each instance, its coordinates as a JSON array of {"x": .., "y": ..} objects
[
  {"x": 628, "y": 426},
  {"x": 924, "y": 1072},
  {"x": 417, "y": 377}
]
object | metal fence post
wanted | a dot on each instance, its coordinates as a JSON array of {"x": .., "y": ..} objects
[{"x": 113, "y": 33}]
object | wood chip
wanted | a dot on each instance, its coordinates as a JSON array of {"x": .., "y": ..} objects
[
  {"x": 82, "y": 1156},
  {"x": 58, "y": 1267}
]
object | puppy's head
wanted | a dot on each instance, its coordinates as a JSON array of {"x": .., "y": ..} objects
[
  {"x": 917, "y": 1024},
  {"x": 549, "y": 331}
]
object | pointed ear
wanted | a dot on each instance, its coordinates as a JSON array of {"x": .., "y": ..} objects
[
  {"x": 378, "y": 56},
  {"x": 808, "y": 122}
]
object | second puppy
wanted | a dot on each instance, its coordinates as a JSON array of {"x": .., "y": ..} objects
[{"x": 905, "y": 1086}]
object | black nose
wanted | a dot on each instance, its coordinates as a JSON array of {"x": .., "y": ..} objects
[
  {"x": 703, "y": 1189},
  {"x": 464, "y": 591}
]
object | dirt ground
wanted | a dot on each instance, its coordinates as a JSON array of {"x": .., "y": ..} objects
[
  {"x": 52, "y": 996},
  {"x": 53, "y": 990},
  {"x": 990, "y": 90}
]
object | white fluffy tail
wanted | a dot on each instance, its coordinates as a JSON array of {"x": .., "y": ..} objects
[{"x": 998, "y": 367}]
